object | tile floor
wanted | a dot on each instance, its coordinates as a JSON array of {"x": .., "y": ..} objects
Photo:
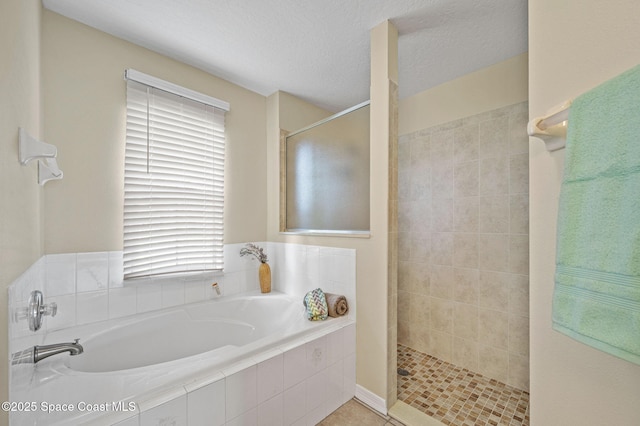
[
  {"x": 457, "y": 396},
  {"x": 354, "y": 413}
]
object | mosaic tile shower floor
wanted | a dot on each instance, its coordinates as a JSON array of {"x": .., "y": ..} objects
[{"x": 457, "y": 396}]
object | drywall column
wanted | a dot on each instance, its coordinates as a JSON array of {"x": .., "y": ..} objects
[
  {"x": 372, "y": 254},
  {"x": 384, "y": 178},
  {"x": 20, "y": 194}
]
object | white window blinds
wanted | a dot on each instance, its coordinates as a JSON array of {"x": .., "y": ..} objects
[{"x": 174, "y": 184}]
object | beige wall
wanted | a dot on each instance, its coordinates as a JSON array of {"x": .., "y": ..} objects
[
  {"x": 295, "y": 113},
  {"x": 84, "y": 96},
  {"x": 289, "y": 113},
  {"x": 504, "y": 83},
  {"x": 573, "y": 46},
  {"x": 20, "y": 195}
]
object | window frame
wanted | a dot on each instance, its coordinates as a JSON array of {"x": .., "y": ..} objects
[{"x": 173, "y": 211}]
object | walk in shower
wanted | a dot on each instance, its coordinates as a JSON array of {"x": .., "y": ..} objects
[{"x": 463, "y": 278}]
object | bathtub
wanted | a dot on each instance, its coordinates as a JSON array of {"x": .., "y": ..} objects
[{"x": 250, "y": 359}]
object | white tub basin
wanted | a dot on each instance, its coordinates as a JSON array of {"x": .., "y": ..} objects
[{"x": 183, "y": 332}]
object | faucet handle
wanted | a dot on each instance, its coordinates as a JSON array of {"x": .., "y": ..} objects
[
  {"x": 37, "y": 309},
  {"x": 49, "y": 309}
]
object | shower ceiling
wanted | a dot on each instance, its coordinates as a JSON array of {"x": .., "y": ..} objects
[{"x": 317, "y": 50}]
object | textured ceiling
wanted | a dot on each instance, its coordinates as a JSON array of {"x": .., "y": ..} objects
[{"x": 317, "y": 50}]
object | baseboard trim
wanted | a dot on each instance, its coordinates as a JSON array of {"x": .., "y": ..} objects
[{"x": 371, "y": 399}]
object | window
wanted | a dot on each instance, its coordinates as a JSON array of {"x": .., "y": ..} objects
[
  {"x": 326, "y": 179},
  {"x": 174, "y": 179}
]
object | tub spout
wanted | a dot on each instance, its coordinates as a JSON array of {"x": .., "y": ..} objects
[{"x": 38, "y": 353}]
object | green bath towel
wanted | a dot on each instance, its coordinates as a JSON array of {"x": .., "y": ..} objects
[{"x": 597, "y": 283}]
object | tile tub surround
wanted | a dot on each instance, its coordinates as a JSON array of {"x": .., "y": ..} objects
[
  {"x": 88, "y": 288},
  {"x": 463, "y": 284},
  {"x": 297, "y": 269},
  {"x": 299, "y": 382}
]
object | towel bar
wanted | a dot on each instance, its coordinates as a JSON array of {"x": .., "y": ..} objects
[{"x": 551, "y": 129}]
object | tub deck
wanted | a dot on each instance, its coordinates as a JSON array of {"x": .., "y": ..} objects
[{"x": 135, "y": 367}]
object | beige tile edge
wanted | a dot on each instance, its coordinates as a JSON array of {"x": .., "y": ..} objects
[{"x": 411, "y": 416}]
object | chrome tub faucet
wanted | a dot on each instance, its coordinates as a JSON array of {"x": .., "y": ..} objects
[{"x": 38, "y": 353}]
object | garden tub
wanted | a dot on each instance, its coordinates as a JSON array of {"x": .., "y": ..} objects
[{"x": 151, "y": 366}]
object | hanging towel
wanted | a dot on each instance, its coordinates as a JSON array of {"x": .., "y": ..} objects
[
  {"x": 316, "y": 304},
  {"x": 337, "y": 305},
  {"x": 596, "y": 297}
]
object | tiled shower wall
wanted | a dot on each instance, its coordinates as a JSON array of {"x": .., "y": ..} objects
[{"x": 463, "y": 288}]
